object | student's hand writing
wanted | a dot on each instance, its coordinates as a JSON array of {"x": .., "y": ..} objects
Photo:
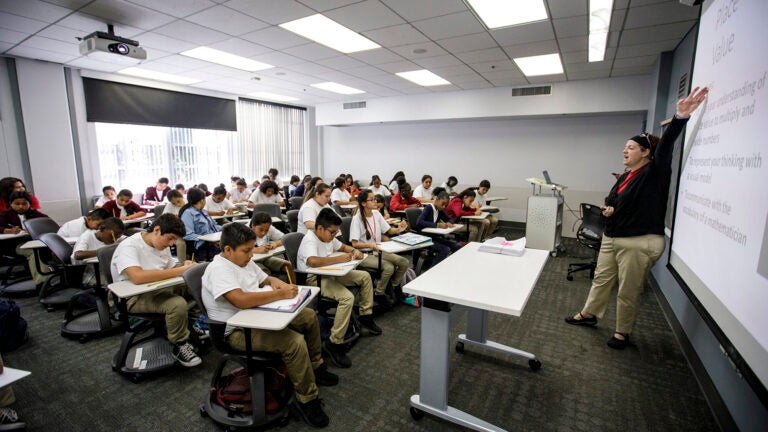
[
  {"x": 261, "y": 249},
  {"x": 286, "y": 291},
  {"x": 402, "y": 227},
  {"x": 607, "y": 211},
  {"x": 270, "y": 246},
  {"x": 478, "y": 212},
  {"x": 12, "y": 230},
  {"x": 356, "y": 254},
  {"x": 188, "y": 263}
]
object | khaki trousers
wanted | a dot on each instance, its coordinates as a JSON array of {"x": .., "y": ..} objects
[
  {"x": 6, "y": 393},
  {"x": 393, "y": 268},
  {"x": 335, "y": 287},
  {"x": 29, "y": 254},
  {"x": 299, "y": 346},
  {"x": 273, "y": 264},
  {"x": 490, "y": 223},
  {"x": 629, "y": 260},
  {"x": 170, "y": 302}
]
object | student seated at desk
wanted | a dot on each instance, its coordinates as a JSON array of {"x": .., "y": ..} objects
[
  {"x": 146, "y": 257},
  {"x": 267, "y": 238},
  {"x": 397, "y": 180},
  {"x": 108, "y": 193},
  {"x": 267, "y": 193},
  {"x": 479, "y": 202},
  {"x": 351, "y": 186},
  {"x": 197, "y": 223},
  {"x": 381, "y": 205},
  {"x": 272, "y": 175},
  {"x": 319, "y": 197},
  {"x": 302, "y": 187},
  {"x": 12, "y": 221},
  {"x": 434, "y": 216},
  {"x": 423, "y": 192},
  {"x": 233, "y": 282},
  {"x": 239, "y": 193},
  {"x": 175, "y": 203},
  {"x": 340, "y": 195},
  {"x": 180, "y": 188},
  {"x": 449, "y": 185},
  {"x": 9, "y": 185},
  {"x": 310, "y": 192},
  {"x": 80, "y": 225},
  {"x": 315, "y": 251},
  {"x": 403, "y": 199},
  {"x": 156, "y": 194},
  {"x": 377, "y": 188},
  {"x": 217, "y": 204},
  {"x": 108, "y": 232},
  {"x": 124, "y": 207},
  {"x": 460, "y": 206},
  {"x": 294, "y": 183},
  {"x": 367, "y": 230}
]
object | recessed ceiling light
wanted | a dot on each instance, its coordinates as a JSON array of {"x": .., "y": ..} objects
[
  {"x": 423, "y": 77},
  {"x": 505, "y": 13},
  {"x": 548, "y": 64},
  {"x": 337, "y": 88},
  {"x": 158, "y": 76},
  {"x": 273, "y": 96},
  {"x": 226, "y": 59},
  {"x": 599, "y": 24},
  {"x": 327, "y": 32}
]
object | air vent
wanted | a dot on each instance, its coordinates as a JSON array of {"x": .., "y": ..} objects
[
  {"x": 532, "y": 91},
  {"x": 354, "y": 105},
  {"x": 682, "y": 86}
]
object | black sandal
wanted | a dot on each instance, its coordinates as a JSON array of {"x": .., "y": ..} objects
[
  {"x": 582, "y": 321},
  {"x": 618, "y": 344}
]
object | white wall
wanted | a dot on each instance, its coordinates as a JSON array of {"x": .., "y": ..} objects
[
  {"x": 578, "y": 151},
  {"x": 11, "y": 158}
]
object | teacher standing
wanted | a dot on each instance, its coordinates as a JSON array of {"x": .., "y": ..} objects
[{"x": 634, "y": 229}]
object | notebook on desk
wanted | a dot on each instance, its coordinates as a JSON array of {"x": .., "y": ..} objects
[
  {"x": 287, "y": 305},
  {"x": 411, "y": 239}
]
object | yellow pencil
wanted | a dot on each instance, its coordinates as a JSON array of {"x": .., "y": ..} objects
[
  {"x": 114, "y": 240},
  {"x": 193, "y": 257},
  {"x": 329, "y": 268},
  {"x": 288, "y": 273},
  {"x": 158, "y": 282}
]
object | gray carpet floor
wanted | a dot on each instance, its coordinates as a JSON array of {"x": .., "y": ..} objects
[{"x": 582, "y": 386}]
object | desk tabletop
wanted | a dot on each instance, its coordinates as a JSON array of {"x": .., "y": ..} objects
[
  {"x": 11, "y": 375},
  {"x": 397, "y": 247},
  {"x": 498, "y": 283},
  {"x": 339, "y": 269},
  {"x": 267, "y": 320},
  {"x": 212, "y": 237},
  {"x": 127, "y": 288},
  {"x": 227, "y": 216},
  {"x": 443, "y": 231},
  {"x": 14, "y": 236},
  {"x": 146, "y": 217},
  {"x": 261, "y": 257},
  {"x": 482, "y": 215},
  {"x": 37, "y": 244},
  {"x": 496, "y": 198}
]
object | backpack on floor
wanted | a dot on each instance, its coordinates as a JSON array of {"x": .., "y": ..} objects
[
  {"x": 13, "y": 328},
  {"x": 233, "y": 391},
  {"x": 326, "y": 324}
]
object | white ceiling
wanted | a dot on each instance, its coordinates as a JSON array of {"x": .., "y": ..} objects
[{"x": 458, "y": 46}]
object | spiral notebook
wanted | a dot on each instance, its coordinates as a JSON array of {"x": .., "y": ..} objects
[
  {"x": 287, "y": 305},
  {"x": 411, "y": 239}
]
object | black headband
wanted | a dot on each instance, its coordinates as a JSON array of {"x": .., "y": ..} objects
[{"x": 642, "y": 140}]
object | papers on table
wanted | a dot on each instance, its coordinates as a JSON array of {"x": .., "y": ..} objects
[
  {"x": 411, "y": 239},
  {"x": 442, "y": 231},
  {"x": 287, "y": 305},
  {"x": 500, "y": 245}
]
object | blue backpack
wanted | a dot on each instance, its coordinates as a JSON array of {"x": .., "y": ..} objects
[{"x": 13, "y": 328}]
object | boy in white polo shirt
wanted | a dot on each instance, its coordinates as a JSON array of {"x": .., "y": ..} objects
[
  {"x": 80, "y": 225},
  {"x": 89, "y": 242}
]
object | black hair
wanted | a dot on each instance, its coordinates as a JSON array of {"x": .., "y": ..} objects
[
  {"x": 349, "y": 177},
  {"x": 485, "y": 184},
  {"x": 179, "y": 186},
  {"x": 339, "y": 182},
  {"x": 465, "y": 193},
  {"x": 174, "y": 194},
  {"x": 306, "y": 178},
  {"x": 113, "y": 223},
  {"x": 397, "y": 174},
  {"x": 400, "y": 181},
  {"x": 315, "y": 190},
  {"x": 235, "y": 234},
  {"x": 405, "y": 187},
  {"x": 362, "y": 197},
  {"x": 295, "y": 178},
  {"x": 7, "y": 184},
  {"x": 194, "y": 196},
  {"x": 436, "y": 191},
  {"x": 234, "y": 178},
  {"x": 170, "y": 224},
  {"x": 220, "y": 190},
  {"x": 20, "y": 194},
  {"x": 106, "y": 188},
  {"x": 163, "y": 180},
  {"x": 241, "y": 182},
  {"x": 425, "y": 177},
  {"x": 98, "y": 214},
  {"x": 203, "y": 187},
  {"x": 452, "y": 179},
  {"x": 260, "y": 218},
  {"x": 374, "y": 178},
  {"x": 269, "y": 184},
  {"x": 273, "y": 172},
  {"x": 327, "y": 218},
  {"x": 125, "y": 193},
  {"x": 443, "y": 195}
]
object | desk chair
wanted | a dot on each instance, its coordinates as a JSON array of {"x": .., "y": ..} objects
[
  {"x": 286, "y": 193},
  {"x": 293, "y": 219},
  {"x": 158, "y": 211},
  {"x": 96, "y": 320},
  {"x": 295, "y": 202},
  {"x": 255, "y": 363},
  {"x": 15, "y": 278},
  {"x": 36, "y": 228},
  {"x": 422, "y": 258},
  {"x": 339, "y": 211},
  {"x": 273, "y": 210},
  {"x": 589, "y": 235},
  {"x": 346, "y": 224},
  {"x": 66, "y": 279}
]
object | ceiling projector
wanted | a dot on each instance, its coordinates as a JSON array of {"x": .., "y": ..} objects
[{"x": 100, "y": 42}]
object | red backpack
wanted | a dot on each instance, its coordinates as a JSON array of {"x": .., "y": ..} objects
[{"x": 233, "y": 391}]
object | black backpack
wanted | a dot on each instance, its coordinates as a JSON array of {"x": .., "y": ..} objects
[{"x": 13, "y": 328}]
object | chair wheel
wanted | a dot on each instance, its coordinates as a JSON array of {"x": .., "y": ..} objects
[
  {"x": 136, "y": 379},
  {"x": 569, "y": 277},
  {"x": 417, "y": 414},
  {"x": 203, "y": 412},
  {"x": 534, "y": 365},
  {"x": 460, "y": 347}
]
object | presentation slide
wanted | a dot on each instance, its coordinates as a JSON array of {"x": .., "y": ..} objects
[{"x": 720, "y": 238}]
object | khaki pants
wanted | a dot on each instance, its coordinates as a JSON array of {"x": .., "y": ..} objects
[
  {"x": 629, "y": 260},
  {"x": 490, "y": 223},
  {"x": 299, "y": 346},
  {"x": 476, "y": 229},
  {"x": 6, "y": 393},
  {"x": 393, "y": 268},
  {"x": 335, "y": 287},
  {"x": 273, "y": 264},
  {"x": 29, "y": 254},
  {"x": 169, "y": 301}
]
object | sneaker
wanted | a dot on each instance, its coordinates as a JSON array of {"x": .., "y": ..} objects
[
  {"x": 200, "y": 332},
  {"x": 367, "y": 322},
  {"x": 383, "y": 301},
  {"x": 581, "y": 320},
  {"x": 412, "y": 300},
  {"x": 185, "y": 354},
  {"x": 325, "y": 378},
  {"x": 337, "y": 353},
  {"x": 9, "y": 420},
  {"x": 312, "y": 413}
]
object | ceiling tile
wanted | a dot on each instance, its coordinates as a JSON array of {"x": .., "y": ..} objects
[
  {"x": 227, "y": 20},
  {"x": 114, "y": 11},
  {"x": 165, "y": 43},
  {"x": 620, "y": 4},
  {"x": 87, "y": 63},
  {"x": 631, "y": 71},
  {"x": 531, "y": 49},
  {"x": 572, "y": 26},
  {"x": 507, "y": 81},
  {"x": 634, "y": 62},
  {"x": 423, "y": 9},
  {"x": 588, "y": 74},
  {"x": 324, "y": 5},
  {"x": 659, "y": 13},
  {"x": 581, "y": 56},
  {"x": 471, "y": 42},
  {"x": 271, "y": 11},
  {"x": 524, "y": 33},
  {"x": 653, "y": 48},
  {"x": 309, "y": 68},
  {"x": 572, "y": 44},
  {"x": 501, "y": 65},
  {"x": 177, "y": 8},
  {"x": 447, "y": 26},
  {"x": 444, "y": 88},
  {"x": 275, "y": 38},
  {"x": 376, "y": 56},
  {"x": 567, "y": 8},
  {"x": 475, "y": 85},
  {"x": 12, "y": 37},
  {"x": 191, "y": 32},
  {"x": 466, "y": 78},
  {"x": 503, "y": 75},
  {"x": 61, "y": 33},
  {"x": 401, "y": 66},
  {"x": 240, "y": 47},
  {"x": 226, "y": 71},
  {"x": 546, "y": 79},
  {"x": 342, "y": 62},
  {"x": 438, "y": 61},
  {"x": 613, "y": 38},
  {"x": 70, "y": 4},
  {"x": 458, "y": 70},
  {"x": 366, "y": 15},
  {"x": 20, "y": 24},
  {"x": 617, "y": 19},
  {"x": 53, "y": 45},
  {"x": 38, "y": 54},
  {"x": 278, "y": 58},
  {"x": 88, "y": 24},
  {"x": 184, "y": 62},
  {"x": 485, "y": 55},
  {"x": 396, "y": 35},
  {"x": 366, "y": 72},
  {"x": 35, "y": 9},
  {"x": 407, "y": 51},
  {"x": 588, "y": 67},
  {"x": 656, "y": 33},
  {"x": 311, "y": 51}
]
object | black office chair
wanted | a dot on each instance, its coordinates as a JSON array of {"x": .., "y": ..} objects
[
  {"x": 273, "y": 210},
  {"x": 256, "y": 363},
  {"x": 293, "y": 219},
  {"x": 39, "y": 226},
  {"x": 65, "y": 279},
  {"x": 422, "y": 258},
  {"x": 346, "y": 224},
  {"x": 158, "y": 210},
  {"x": 291, "y": 243},
  {"x": 589, "y": 235},
  {"x": 339, "y": 211},
  {"x": 296, "y": 202}
]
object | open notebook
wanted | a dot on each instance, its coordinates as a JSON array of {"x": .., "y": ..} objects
[
  {"x": 411, "y": 239},
  {"x": 287, "y": 305}
]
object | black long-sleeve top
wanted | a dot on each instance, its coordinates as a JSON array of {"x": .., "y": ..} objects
[{"x": 641, "y": 206}]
